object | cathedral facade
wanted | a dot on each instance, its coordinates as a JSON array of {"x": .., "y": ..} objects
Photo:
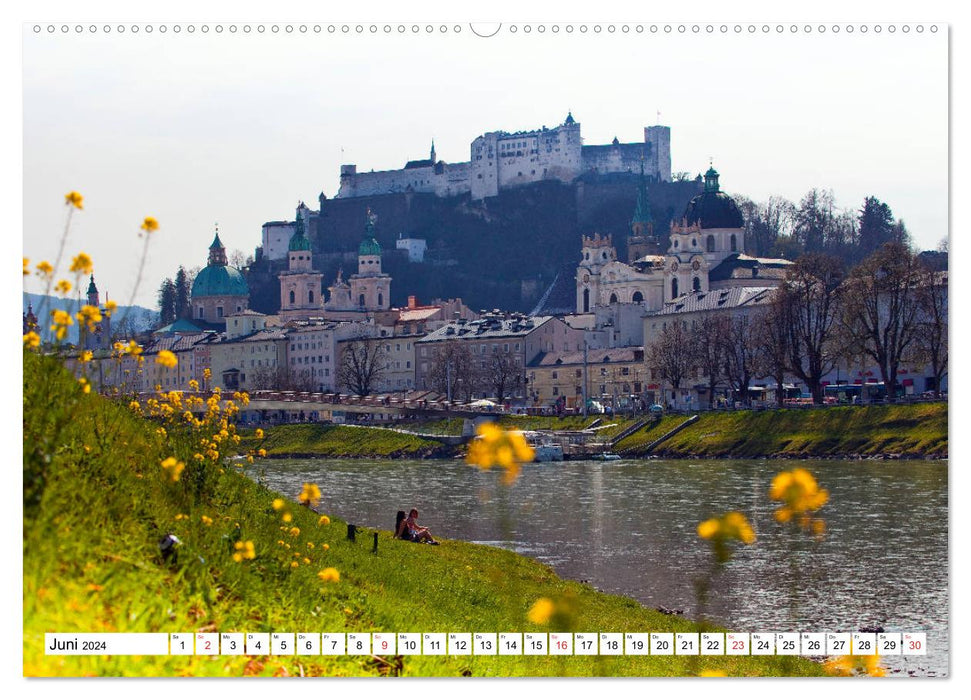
[{"x": 706, "y": 252}]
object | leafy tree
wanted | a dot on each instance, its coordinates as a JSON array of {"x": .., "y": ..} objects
[
  {"x": 183, "y": 290},
  {"x": 876, "y": 225},
  {"x": 166, "y": 302}
]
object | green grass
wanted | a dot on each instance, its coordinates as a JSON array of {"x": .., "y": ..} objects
[
  {"x": 344, "y": 441},
  {"x": 99, "y": 503},
  {"x": 910, "y": 430}
]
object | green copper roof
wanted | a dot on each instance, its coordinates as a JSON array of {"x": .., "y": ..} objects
[
  {"x": 711, "y": 180},
  {"x": 92, "y": 289},
  {"x": 369, "y": 246},
  {"x": 216, "y": 243},
  {"x": 219, "y": 280},
  {"x": 299, "y": 241}
]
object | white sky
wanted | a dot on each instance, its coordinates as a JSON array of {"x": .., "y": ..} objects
[{"x": 195, "y": 129}]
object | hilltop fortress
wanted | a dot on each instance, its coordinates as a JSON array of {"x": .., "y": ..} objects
[{"x": 500, "y": 160}]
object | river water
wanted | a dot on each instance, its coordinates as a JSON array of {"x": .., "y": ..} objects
[{"x": 629, "y": 527}]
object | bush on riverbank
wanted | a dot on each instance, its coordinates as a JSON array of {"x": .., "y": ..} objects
[
  {"x": 91, "y": 564},
  {"x": 907, "y": 430}
]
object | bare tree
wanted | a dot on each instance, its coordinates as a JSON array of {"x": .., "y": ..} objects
[
  {"x": 771, "y": 330},
  {"x": 504, "y": 374},
  {"x": 363, "y": 364},
  {"x": 453, "y": 371},
  {"x": 881, "y": 309},
  {"x": 671, "y": 355},
  {"x": 932, "y": 328},
  {"x": 282, "y": 379},
  {"x": 743, "y": 357},
  {"x": 812, "y": 293},
  {"x": 237, "y": 259},
  {"x": 708, "y": 346}
]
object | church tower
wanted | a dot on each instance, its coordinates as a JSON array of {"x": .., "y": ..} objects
[
  {"x": 370, "y": 287},
  {"x": 93, "y": 294},
  {"x": 300, "y": 284},
  {"x": 642, "y": 239}
]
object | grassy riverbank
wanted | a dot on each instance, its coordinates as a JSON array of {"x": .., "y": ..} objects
[
  {"x": 344, "y": 441},
  {"x": 906, "y": 430},
  {"x": 98, "y": 502}
]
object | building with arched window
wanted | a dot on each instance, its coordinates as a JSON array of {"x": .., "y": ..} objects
[{"x": 300, "y": 284}]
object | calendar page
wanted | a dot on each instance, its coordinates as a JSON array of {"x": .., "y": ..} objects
[{"x": 416, "y": 346}]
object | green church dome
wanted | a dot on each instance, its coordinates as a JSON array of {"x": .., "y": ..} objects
[
  {"x": 219, "y": 280},
  {"x": 299, "y": 242},
  {"x": 369, "y": 246}
]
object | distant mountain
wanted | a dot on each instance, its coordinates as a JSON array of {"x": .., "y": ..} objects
[{"x": 134, "y": 318}]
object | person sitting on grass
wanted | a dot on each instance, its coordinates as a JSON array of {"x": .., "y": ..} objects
[{"x": 416, "y": 532}]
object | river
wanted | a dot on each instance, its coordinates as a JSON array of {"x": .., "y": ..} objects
[{"x": 629, "y": 527}]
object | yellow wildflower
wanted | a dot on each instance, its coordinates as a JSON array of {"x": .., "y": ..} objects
[
  {"x": 722, "y": 531},
  {"x": 89, "y": 316},
  {"x": 45, "y": 269},
  {"x": 31, "y": 339},
  {"x": 110, "y": 307},
  {"x": 82, "y": 264},
  {"x": 62, "y": 287},
  {"x": 74, "y": 199},
  {"x": 150, "y": 224},
  {"x": 541, "y": 612},
  {"x": 134, "y": 405},
  {"x": 206, "y": 373},
  {"x": 173, "y": 468},
  {"x": 62, "y": 319},
  {"x": 323, "y": 520},
  {"x": 712, "y": 673},
  {"x": 26, "y": 266},
  {"x": 310, "y": 495},
  {"x": 278, "y": 503},
  {"x": 325, "y": 546},
  {"x": 329, "y": 575},
  {"x": 494, "y": 446},
  {"x": 799, "y": 495},
  {"x": 287, "y": 517},
  {"x": 259, "y": 433},
  {"x": 294, "y": 532},
  {"x": 85, "y": 385},
  {"x": 167, "y": 358},
  {"x": 244, "y": 550},
  {"x": 261, "y": 452},
  {"x": 133, "y": 348},
  {"x": 855, "y": 666},
  {"x": 86, "y": 356},
  {"x": 194, "y": 385},
  {"x": 206, "y": 520}
]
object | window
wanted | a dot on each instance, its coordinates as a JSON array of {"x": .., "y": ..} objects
[
  {"x": 710, "y": 244},
  {"x": 310, "y": 296},
  {"x": 674, "y": 288},
  {"x": 637, "y": 298},
  {"x": 219, "y": 312},
  {"x": 360, "y": 300},
  {"x": 201, "y": 312},
  {"x": 734, "y": 243},
  {"x": 696, "y": 284},
  {"x": 293, "y": 297},
  {"x": 556, "y": 391},
  {"x": 613, "y": 298},
  {"x": 554, "y": 375}
]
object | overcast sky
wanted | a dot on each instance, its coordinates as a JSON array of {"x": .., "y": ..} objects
[{"x": 236, "y": 129}]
